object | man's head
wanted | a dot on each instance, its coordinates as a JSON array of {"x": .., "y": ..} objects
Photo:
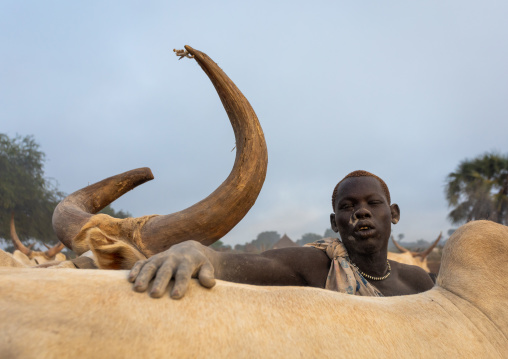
[
  {"x": 362, "y": 212},
  {"x": 361, "y": 173}
]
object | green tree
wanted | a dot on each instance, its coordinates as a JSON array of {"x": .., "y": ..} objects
[
  {"x": 117, "y": 214},
  {"x": 220, "y": 246},
  {"x": 265, "y": 240},
  {"x": 217, "y": 245},
  {"x": 478, "y": 189},
  {"x": 239, "y": 247},
  {"x": 330, "y": 233},
  {"x": 309, "y": 238},
  {"x": 24, "y": 191}
]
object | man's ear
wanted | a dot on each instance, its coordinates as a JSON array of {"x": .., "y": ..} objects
[
  {"x": 333, "y": 223},
  {"x": 394, "y": 208}
]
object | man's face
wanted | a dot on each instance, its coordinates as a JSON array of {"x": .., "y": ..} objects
[{"x": 363, "y": 215}]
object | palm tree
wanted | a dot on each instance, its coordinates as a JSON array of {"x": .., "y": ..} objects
[{"x": 478, "y": 189}]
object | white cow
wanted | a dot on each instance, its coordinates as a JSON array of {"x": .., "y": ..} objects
[{"x": 95, "y": 313}]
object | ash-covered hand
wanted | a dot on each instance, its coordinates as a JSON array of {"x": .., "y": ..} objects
[{"x": 182, "y": 262}]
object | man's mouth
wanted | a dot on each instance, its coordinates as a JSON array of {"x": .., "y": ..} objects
[
  {"x": 364, "y": 226},
  {"x": 364, "y": 229}
]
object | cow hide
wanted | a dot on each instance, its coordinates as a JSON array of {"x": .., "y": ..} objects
[{"x": 95, "y": 313}]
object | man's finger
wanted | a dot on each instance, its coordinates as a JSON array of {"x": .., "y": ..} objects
[
  {"x": 135, "y": 270},
  {"x": 162, "y": 278},
  {"x": 145, "y": 276},
  {"x": 206, "y": 275},
  {"x": 182, "y": 279}
]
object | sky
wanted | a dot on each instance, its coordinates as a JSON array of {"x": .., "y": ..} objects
[{"x": 406, "y": 90}]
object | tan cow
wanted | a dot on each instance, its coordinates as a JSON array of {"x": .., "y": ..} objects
[
  {"x": 12, "y": 260},
  {"x": 95, "y": 313},
  {"x": 413, "y": 258},
  {"x": 8, "y": 260},
  {"x": 27, "y": 256}
]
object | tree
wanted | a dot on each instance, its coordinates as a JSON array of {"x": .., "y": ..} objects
[
  {"x": 478, "y": 189},
  {"x": 330, "y": 233},
  {"x": 239, "y": 247},
  {"x": 24, "y": 191},
  {"x": 308, "y": 238},
  {"x": 265, "y": 240},
  {"x": 217, "y": 245},
  {"x": 220, "y": 246},
  {"x": 117, "y": 214}
]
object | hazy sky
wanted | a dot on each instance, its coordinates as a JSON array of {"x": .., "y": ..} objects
[{"x": 403, "y": 89}]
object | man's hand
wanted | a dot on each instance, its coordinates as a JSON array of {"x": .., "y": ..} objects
[{"x": 182, "y": 262}]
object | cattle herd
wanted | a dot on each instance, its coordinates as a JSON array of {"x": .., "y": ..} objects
[{"x": 64, "y": 312}]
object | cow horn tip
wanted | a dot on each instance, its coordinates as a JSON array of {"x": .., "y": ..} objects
[
  {"x": 190, "y": 50},
  {"x": 148, "y": 173}
]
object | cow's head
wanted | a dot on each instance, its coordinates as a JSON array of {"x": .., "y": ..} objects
[
  {"x": 206, "y": 221},
  {"x": 416, "y": 258},
  {"x": 31, "y": 257}
]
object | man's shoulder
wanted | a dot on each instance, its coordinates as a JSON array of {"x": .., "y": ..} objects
[{"x": 413, "y": 275}]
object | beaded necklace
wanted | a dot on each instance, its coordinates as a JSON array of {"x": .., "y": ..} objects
[{"x": 372, "y": 277}]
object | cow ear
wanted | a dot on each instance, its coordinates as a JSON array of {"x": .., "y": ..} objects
[{"x": 111, "y": 252}]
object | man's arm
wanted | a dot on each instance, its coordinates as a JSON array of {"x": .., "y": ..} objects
[{"x": 290, "y": 266}]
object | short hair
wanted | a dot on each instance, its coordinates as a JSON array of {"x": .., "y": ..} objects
[{"x": 361, "y": 173}]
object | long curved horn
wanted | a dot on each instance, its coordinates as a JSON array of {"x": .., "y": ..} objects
[
  {"x": 78, "y": 207},
  {"x": 425, "y": 253},
  {"x": 399, "y": 247},
  {"x": 15, "y": 239},
  {"x": 210, "y": 219}
]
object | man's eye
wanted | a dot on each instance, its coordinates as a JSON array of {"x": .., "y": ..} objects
[
  {"x": 346, "y": 206},
  {"x": 376, "y": 202}
]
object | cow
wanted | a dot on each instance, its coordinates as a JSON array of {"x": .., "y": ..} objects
[
  {"x": 413, "y": 258},
  {"x": 28, "y": 257},
  {"x": 95, "y": 313},
  {"x": 8, "y": 260}
]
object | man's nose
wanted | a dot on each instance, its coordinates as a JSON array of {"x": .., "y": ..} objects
[{"x": 361, "y": 213}]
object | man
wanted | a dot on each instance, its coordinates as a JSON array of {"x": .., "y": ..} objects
[{"x": 362, "y": 216}]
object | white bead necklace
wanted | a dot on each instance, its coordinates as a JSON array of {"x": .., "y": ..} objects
[{"x": 372, "y": 277}]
